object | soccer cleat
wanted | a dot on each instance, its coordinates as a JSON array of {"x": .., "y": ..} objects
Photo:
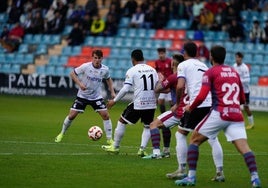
[
  {"x": 256, "y": 183},
  {"x": 110, "y": 142},
  {"x": 152, "y": 156},
  {"x": 59, "y": 138},
  {"x": 250, "y": 126},
  {"x": 178, "y": 174},
  {"x": 219, "y": 177},
  {"x": 165, "y": 154},
  {"x": 110, "y": 149},
  {"x": 142, "y": 152},
  {"x": 187, "y": 181}
]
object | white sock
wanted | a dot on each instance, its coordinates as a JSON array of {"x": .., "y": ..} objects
[
  {"x": 145, "y": 137},
  {"x": 181, "y": 149},
  {"x": 119, "y": 133},
  {"x": 107, "y": 124},
  {"x": 66, "y": 124},
  {"x": 216, "y": 152},
  {"x": 251, "y": 120}
]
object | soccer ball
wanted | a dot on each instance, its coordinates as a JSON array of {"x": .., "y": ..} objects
[{"x": 95, "y": 133}]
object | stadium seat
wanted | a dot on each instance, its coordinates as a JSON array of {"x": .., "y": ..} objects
[
  {"x": 131, "y": 32},
  {"x": 255, "y": 70},
  {"x": 183, "y": 24},
  {"x": 141, "y": 33},
  {"x": 167, "y": 43},
  {"x": 60, "y": 71},
  {"x": 99, "y": 41},
  {"x": 3, "y": 17},
  {"x": 50, "y": 70},
  {"x": 19, "y": 58},
  {"x": 76, "y": 50},
  {"x": 170, "y": 34},
  {"x": 209, "y": 35},
  {"x": 67, "y": 29},
  {"x": 177, "y": 45},
  {"x": 109, "y": 41},
  {"x": 115, "y": 52},
  {"x": 10, "y": 58},
  {"x": 258, "y": 59},
  {"x": 28, "y": 59},
  {"x": 248, "y": 47},
  {"x": 55, "y": 39},
  {"x": 89, "y": 40},
  {"x": 248, "y": 58},
  {"x": 148, "y": 43},
  {"x": 264, "y": 71},
  {"x": 106, "y": 51},
  {"x": 6, "y": 68},
  {"x": 118, "y": 74},
  {"x": 221, "y": 36},
  {"x": 190, "y": 34},
  {"x": 263, "y": 81},
  {"x": 150, "y": 33},
  {"x": 259, "y": 48},
  {"x": 68, "y": 70},
  {"x": 37, "y": 39},
  {"x": 23, "y": 48},
  {"x": 86, "y": 50},
  {"x": 128, "y": 42},
  {"x": 15, "y": 68},
  {"x": 118, "y": 42},
  {"x": 62, "y": 60},
  {"x": 180, "y": 34},
  {"x": 53, "y": 60},
  {"x": 160, "y": 34},
  {"x": 41, "y": 49},
  {"x": 172, "y": 24},
  {"x": 254, "y": 80},
  {"x": 244, "y": 14},
  {"x": 72, "y": 61},
  {"x": 66, "y": 50},
  {"x": 124, "y": 53},
  {"x": 124, "y": 22},
  {"x": 28, "y": 38},
  {"x": 238, "y": 47},
  {"x": 138, "y": 42},
  {"x": 122, "y": 32}
]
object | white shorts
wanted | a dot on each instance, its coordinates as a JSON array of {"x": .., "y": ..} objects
[
  {"x": 168, "y": 119},
  {"x": 165, "y": 96},
  {"x": 213, "y": 124}
]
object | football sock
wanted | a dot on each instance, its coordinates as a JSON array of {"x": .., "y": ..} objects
[
  {"x": 66, "y": 125},
  {"x": 249, "y": 158},
  {"x": 162, "y": 108},
  {"x": 119, "y": 133},
  {"x": 166, "y": 136},
  {"x": 108, "y": 128},
  {"x": 145, "y": 137},
  {"x": 181, "y": 148},
  {"x": 155, "y": 136},
  {"x": 192, "y": 157},
  {"x": 251, "y": 120},
  {"x": 216, "y": 152}
]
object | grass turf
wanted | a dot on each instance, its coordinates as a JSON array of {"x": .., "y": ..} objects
[{"x": 29, "y": 157}]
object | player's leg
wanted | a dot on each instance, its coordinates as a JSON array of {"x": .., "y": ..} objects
[
  {"x": 248, "y": 112},
  {"x": 78, "y": 107},
  {"x": 236, "y": 133},
  {"x": 145, "y": 137},
  {"x": 161, "y": 102},
  {"x": 181, "y": 152}
]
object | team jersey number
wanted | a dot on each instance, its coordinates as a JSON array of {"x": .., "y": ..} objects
[
  {"x": 231, "y": 90},
  {"x": 145, "y": 80}
]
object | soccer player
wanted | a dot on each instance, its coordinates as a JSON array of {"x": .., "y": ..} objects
[
  {"x": 163, "y": 66},
  {"x": 167, "y": 119},
  {"x": 143, "y": 79},
  {"x": 89, "y": 78},
  {"x": 243, "y": 72},
  {"x": 227, "y": 94},
  {"x": 189, "y": 75}
]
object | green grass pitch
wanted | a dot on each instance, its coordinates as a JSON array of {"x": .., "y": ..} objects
[{"x": 29, "y": 157}]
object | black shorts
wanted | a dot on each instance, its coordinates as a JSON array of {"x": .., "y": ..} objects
[
  {"x": 80, "y": 104},
  {"x": 131, "y": 116},
  {"x": 247, "y": 99},
  {"x": 191, "y": 120}
]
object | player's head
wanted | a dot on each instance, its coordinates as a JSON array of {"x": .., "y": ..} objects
[
  {"x": 97, "y": 56},
  {"x": 190, "y": 49},
  {"x": 161, "y": 53},
  {"x": 176, "y": 60},
  {"x": 137, "y": 56},
  {"x": 217, "y": 55},
  {"x": 238, "y": 58}
]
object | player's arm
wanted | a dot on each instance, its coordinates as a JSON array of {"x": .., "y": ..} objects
[
  {"x": 159, "y": 88},
  {"x": 123, "y": 91},
  {"x": 109, "y": 82},
  {"x": 200, "y": 97},
  {"x": 180, "y": 89},
  {"x": 76, "y": 80}
]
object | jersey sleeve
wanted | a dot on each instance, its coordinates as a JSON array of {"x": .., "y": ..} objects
[{"x": 81, "y": 68}]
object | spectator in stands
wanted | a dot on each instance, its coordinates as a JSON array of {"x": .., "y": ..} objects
[
  {"x": 212, "y": 6},
  {"x": 117, "y": 4},
  {"x": 76, "y": 36},
  {"x": 111, "y": 26},
  {"x": 70, "y": 12},
  {"x": 14, "y": 39},
  {"x": 4, "y": 5},
  {"x": 203, "y": 52},
  {"x": 162, "y": 18},
  {"x": 218, "y": 23},
  {"x": 145, "y": 5},
  {"x": 114, "y": 12},
  {"x": 198, "y": 5},
  {"x": 129, "y": 8},
  {"x": 266, "y": 31},
  {"x": 86, "y": 24},
  {"x": 62, "y": 8},
  {"x": 4, "y": 33},
  {"x": 178, "y": 9},
  {"x": 97, "y": 26},
  {"x": 37, "y": 23},
  {"x": 230, "y": 15},
  {"x": 91, "y": 7},
  {"x": 206, "y": 19},
  {"x": 57, "y": 25},
  {"x": 77, "y": 15},
  {"x": 236, "y": 32},
  {"x": 49, "y": 16},
  {"x": 26, "y": 21},
  {"x": 14, "y": 14},
  {"x": 149, "y": 17},
  {"x": 257, "y": 33},
  {"x": 137, "y": 18}
]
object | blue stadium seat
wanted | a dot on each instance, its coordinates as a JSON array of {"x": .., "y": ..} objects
[
  {"x": 3, "y": 17},
  {"x": 10, "y": 58},
  {"x": 53, "y": 60},
  {"x": 50, "y": 70},
  {"x": 67, "y": 29},
  {"x": 254, "y": 70},
  {"x": 172, "y": 24},
  {"x": 19, "y": 59},
  {"x": 259, "y": 48},
  {"x": 62, "y": 60},
  {"x": 66, "y": 50},
  {"x": 122, "y": 32},
  {"x": 150, "y": 33},
  {"x": 238, "y": 47},
  {"x": 89, "y": 40},
  {"x": 258, "y": 59},
  {"x": 28, "y": 39},
  {"x": 119, "y": 42},
  {"x": 2, "y": 58},
  {"x": 138, "y": 42},
  {"x": 124, "y": 22},
  {"x": 248, "y": 58},
  {"x": 23, "y": 48},
  {"x": 128, "y": 42},
  {"x": 6, "y": 68},
  {"x": 76, "y": 50},
  {"x": 41, "y": 49},
  {"x": 40, "y": 69},
  {"x": 254, "y": 80},
  {"x": 209, "y": 35},
  {"x": 28, "y": 59},
  {"x": 124, "y": 53},
  {"x": 148, "y": 43},
  {"x": 264, "y": 70},
  {"x": 249, "y": 47},
  {"x": 37, "y": 39},
  {"x": 221, "y": 36},
  {"x": 190, "y": 34},
  {"x": 115, "y": 52},
  {"x": 118, "y": 74},
  {"x": 46, "y": 39},
  {"x": 60, "y": 71},
  {"x": 109, "y": 41},
  {"x": 244, "y": 15},
  {"x": 183, "y": 24},
  {"x": 141, "y": 33},
  {"x": 68, "y": 70},
  {"x": 132, "y": 32},
  {"x": 99, "y": 41},
  {"x": 15, "y": 68}
]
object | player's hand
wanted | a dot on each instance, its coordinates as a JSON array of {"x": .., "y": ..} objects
[
  {"x": 187, "y": 108},
  {"x": 83, "y": 87},
  {"x": 110, "y": 104},
  {"x": 113, "y": 95},
  {"x": 160, "y": 77}
]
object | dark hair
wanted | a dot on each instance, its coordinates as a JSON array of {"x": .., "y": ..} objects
[
  {"x": 239, "y": 54},
  {"x": 161, "y": 49},
  {"x": 98, "y": 53},
  {"x": 190, "y": 48},
  {"x": 178, "y": 57},
  {"x": 137, "y": 55},
  {"x": 218, "y": 54}
]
